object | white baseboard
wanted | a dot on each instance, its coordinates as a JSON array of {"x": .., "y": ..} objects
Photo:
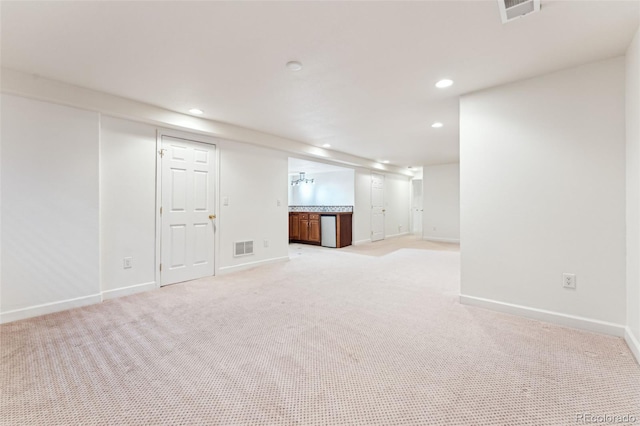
[
  {"x": 357, "y": 243},
  {"x": 397, "y": 235},
  {"x": 633, "y": 342},
  {"x": 125, "y": 291},
  {"x": 442, "y": 240},
  {"x": 566, "y": 320},
  {"x": 48, "y": 308},
  {"x": 235, "y": 268}
]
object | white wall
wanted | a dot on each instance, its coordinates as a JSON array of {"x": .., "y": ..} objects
[
  {"x": 542, "y": 193},
  {"x": 441, "y": 201},
  {"x": 633, "y": 193},
  {"x": 78, "y": 196},
  {"x": 50, "y": 228},
  {"x": 127, "y": 204},
  {"x": 254, "y": 180},
  {"x": 334, "y": 188},
  {"x": 94, "y": 184}
]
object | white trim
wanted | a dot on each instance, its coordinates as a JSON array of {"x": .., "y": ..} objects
[
  {"x": 566, "y": 320},
  {"x": 442, "y": 240},
  {"x": 243, "y": 266},
  {"x": 49, "y": 308},
  {"x": 100, "y": 203},
  {"x": 359, "y": 242},
  {"x": 633, "y": 342},
  {"x": 125, "y": 291},
  {"x": 158, "y": 219}
]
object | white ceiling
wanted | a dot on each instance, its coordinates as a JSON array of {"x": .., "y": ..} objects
[{"x": 367, "y": 86}]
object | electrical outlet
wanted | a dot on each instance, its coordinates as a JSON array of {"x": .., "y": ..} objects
[
  {"x": 265, "y": 243},
  {"x": 127, "y": 263},
  {"x": 225, "y": 201},
  {"x": 569, "y": 281},
  {"x": 278, "y": 203}
]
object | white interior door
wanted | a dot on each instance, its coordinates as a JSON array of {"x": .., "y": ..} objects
[
  {"x": 377, "y": 207},
  {"x": 416, "y": 206},
  {"x": 187, "y": 210}
]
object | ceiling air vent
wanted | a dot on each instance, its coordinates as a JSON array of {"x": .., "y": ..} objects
[{"x": 514, "y": 9}]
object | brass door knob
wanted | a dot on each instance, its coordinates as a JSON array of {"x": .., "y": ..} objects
[{"x": 212, "y": 216}]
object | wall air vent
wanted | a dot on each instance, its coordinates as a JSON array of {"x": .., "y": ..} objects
[
  {"x": 514, "y": 9},
  {"x": 243, "y": 248}
]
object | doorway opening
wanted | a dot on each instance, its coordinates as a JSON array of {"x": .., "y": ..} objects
[{"x": 321, "y": 202}]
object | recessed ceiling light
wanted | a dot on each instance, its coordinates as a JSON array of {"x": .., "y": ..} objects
[
  {"x": 385, "y": 161},
  {"x": 196, "y": 111},
  {"x": 444, "y": 83},
  {"x": 437, "y": 125},
  {"x": 294, "y": 65},
  {"x": 326, "y": 145}
]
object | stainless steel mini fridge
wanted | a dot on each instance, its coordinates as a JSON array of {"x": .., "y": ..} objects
[{"x": 328, "y": 231}]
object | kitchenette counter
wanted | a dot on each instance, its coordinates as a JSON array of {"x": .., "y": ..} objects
[{"x": 305, "y": 225}]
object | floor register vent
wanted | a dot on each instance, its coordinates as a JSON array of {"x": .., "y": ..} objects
[
  {"x": 243, "y": 248},
  {"x": 514, "y": 9}
]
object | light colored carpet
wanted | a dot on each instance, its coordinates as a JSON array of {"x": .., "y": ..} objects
[
  {"x": 384, "y": 247},
  {"x": 331, "y": 337}
]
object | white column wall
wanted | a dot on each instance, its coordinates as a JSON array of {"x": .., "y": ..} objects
[
  {"x": 542, "y": 194},
  {"x": 633, "y": 193},
  {"x": 50, "y": 223}
]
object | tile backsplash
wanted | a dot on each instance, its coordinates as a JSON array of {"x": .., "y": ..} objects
[{"x": 333, "y": 209}]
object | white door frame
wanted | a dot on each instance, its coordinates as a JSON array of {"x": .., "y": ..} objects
[{"x": 195, "y": 138}]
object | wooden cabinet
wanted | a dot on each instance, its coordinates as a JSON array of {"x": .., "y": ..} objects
[
  {"x": 314, "y": 228},
  {"x": 294, "y": 226},
  {"x": 304, "y": 227}
]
